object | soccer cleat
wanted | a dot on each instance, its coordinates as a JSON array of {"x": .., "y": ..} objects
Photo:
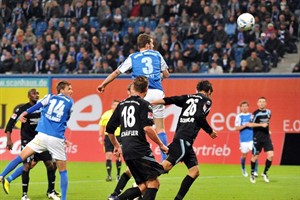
[
  {"x": 56, "y": 193},
  {"x": 112, "y": 197},
  {"x": 255, "y": 174},
  {"x": 108, "y": 179},
  {"x": 6, "y": 185},
  {"x": 252, "y": 178},
  {"x": 266, "y": 178},
  {"x": 244, "y": 172},
  {"x": 25, "y": 197},
  {"x": 53, "y": 196}
]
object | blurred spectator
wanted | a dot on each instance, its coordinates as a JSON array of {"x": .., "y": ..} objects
[
  {"x": 70, "y": 65},
  {"x": 189, "y": 54},
  {"x": 27, "y": 66},
  {"x": 220, "y": 34},
  {"x": 125, "y": 9},
  {"x": 181, "y": 67},
  {"x": 232, "y": 67},
  {"x": 254, "y": 63},
  {"x": 296, "y": 68},
  {"x": 52, "y": 64},
  {"x": 40, "y": 64},
  {"x": 90, "y": 9},
  {"x": 195, "y": 67},
  {"x": 159, "y": 9},
  {"x": 146, "y": 10},
  {"x": 79, "y": 10},
  {"x": 7, "y": 64},
  {"x": 5, "y": 45},
  {"x": 243, "y": 67},
  {"x": 249, "y": 49},
  {"x": 16, "y": 69},
  {"x": 5, "y": 12},
  {"x": 106, "y": 68},
  {"x": 193, "y": 30},
  {"x": 67, "y": 12},
  {"x": 215, "y": 68},
  {"x": 81, "y": 69}
]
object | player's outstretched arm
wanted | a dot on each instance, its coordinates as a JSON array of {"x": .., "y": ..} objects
[
  {"x": 158, "y": 101},
  {"x": 22, "y": 117},
  {"x": 213, "y": 135},
  {"x": 108, "y": 79}
]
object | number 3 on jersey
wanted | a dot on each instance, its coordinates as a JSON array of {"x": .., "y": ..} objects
[
  {"x": 128, "y": 116},
  {"x": 148, "y": 63}
]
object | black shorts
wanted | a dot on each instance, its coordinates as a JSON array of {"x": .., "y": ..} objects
[
  {"x": 144, "y": 169},
  {"x": 182, "y": 151},
  {"x": 262, "y": 141},
  {"x": 109, "y": 147},
  {"x": 44, "y": 156}
]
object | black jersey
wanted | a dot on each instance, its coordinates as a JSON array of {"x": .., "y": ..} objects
[
  {"x": 133, "y": 114},
  {"x": 261, "y": 116},
  {"x": 28, "y": 128},
  {"x": 195, "y": 108}
]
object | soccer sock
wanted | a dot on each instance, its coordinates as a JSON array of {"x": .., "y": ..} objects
[
  {"x": 130, "y": 193},
  {"x": 18, "y": 172},
  {"x": 267, "y": 166},
  {"x": 185, "y": 186},
  {"x": 108, "y": 167},
  {"x": 243, "y": 161},
  {"x": 119, "y": 165},
  {"x": 150, "y": 193},
  {"x": 256, "y": 166},
  {"x": 51, "y": 179},
  {"x": 13, "y": 164},
  {"x": 163, "y": 137},
  {"x": 63, "y": 184},
  {"x": 252, "y": 167},
  {"x": 25, "y": 182},
  {"x": 121, "y": 184}
]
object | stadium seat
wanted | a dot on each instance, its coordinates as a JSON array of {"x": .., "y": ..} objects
[{"x": 41, "y": 27}]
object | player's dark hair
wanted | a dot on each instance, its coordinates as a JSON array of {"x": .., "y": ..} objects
[
  {"x": 30, "y": 91},
  {"x": 116, "y": 100},
  {"x": 262, "y": 98},
  {"x": 61, "y": 85},
  {"x": 244, "y": 102},
  {"x": 205, "y": 86},
  {"x": 129, "y": 86},
  {"x": 143, "y": 39},
  {"x": 140, "y": 84}
]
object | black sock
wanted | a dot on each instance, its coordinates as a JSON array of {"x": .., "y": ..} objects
[
  {"x": 252, "y": 166},
  {"x": 185, "y": 186},
  {"x": 108, "y": 167},
  {"x": 267, "y": 166},
  {"x": 25, "y": 182},
  {"x": 119, "y": 165},
  {"x": 130, "y": 193},
  {"x": 51, "y": 180},
  {"x": 121, "y": 184},
  {"x": 150, "y": 194}
]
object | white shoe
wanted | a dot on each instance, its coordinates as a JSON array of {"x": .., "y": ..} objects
[
  {"x": 53, "y": 196},
  {"x": 266, "y": 178},
  {"x": 25, "y": 197},
  {"x": 252, "y": 178},
  {"x": 255, "y": 174},
  {"x": 244, "y": 172}
]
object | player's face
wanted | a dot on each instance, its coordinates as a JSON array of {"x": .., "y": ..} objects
[
  {"x": 68, "y": 91},
  {"x": 114, "y": 105},
  {"x": 261, "y": 103},
  {"x": 151, "y": 44},
  {"x": 244, "y": 108},
  {"x": 34, "y": 95}
]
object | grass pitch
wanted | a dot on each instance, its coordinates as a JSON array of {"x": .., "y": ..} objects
[{"x": 222, "y": 182}]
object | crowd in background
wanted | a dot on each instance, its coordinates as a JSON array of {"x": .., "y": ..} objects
[{"x": 95, "y": 36}]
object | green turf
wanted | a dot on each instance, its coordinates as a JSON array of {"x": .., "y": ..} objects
[{"x": 87, "y": 181}]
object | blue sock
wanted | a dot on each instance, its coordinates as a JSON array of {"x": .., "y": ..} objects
[
  {"x": 13, "y": 164},
  {"x": 18, "y": 172},
  {"x": 63, "y": 184},
  {"x": 163, "y": 137},
  {"x": 243, "y": 160},
  {"x": 256, "y": 166}
]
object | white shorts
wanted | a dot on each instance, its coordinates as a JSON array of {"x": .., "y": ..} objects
[
  {"x": 155, "y": 94},
  {"x": 245, "y": 147},
  {"x": 55, "y": 146}
]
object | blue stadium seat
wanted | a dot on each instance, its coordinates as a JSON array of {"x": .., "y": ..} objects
[
  {"x": 151, "y": 24},
  {"x": 94, "y": 22},
  {"x": 41, "y": 27}
]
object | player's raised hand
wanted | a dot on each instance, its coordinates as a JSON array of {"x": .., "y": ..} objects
[
  {"x": 213, "y": 135},
  {"x": 101, "y": 88},
  {"x": 9, "y": 143},
  {"x": 22, "y": 117}
]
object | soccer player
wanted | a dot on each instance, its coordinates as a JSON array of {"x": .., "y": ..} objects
[
  {"x": 109, "y": 148},
  {"x": 243, "y": 123},
  {"x": 27, "y": 134},
  {"x": 195, "y": 108},
  {"x": 262, "y": 138},
  {"x": 135, "y": 116},
  {"x": 151, "y": 64},
  {"x": 56, "y": 111}
]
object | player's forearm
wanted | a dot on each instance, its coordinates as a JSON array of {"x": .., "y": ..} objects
[
  {"x": 34, "y": 108},
  {"x": 153, "y": 135},
  {"x": 238, "y": 128},
  {"x": 114, "y": 140},
  {"x": 159, "y": 101},
  {"x": 111, "y": 77}
]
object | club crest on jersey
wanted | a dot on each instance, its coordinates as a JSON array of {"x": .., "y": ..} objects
[
  {"x": 150, "y": 115},
  {"x": 14, "y": 116},
  {"x": 208, "y": 103}
]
